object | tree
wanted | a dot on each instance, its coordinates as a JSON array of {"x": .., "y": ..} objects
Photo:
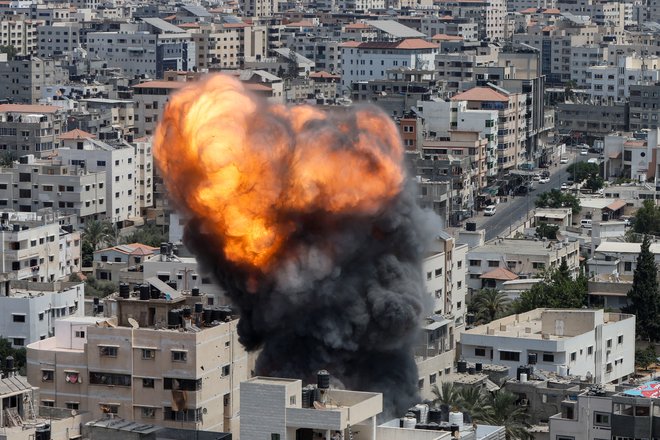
[
  {"x": 149, "y": 234},
  {"x": 9, "y": 50},
  {"x": 545, "y": 230},
  {"x": 557, "y": 199},
  {"x": 489, "y": 304},
  {"x": 557, "y": 290},
  {"x": 447, "y": 394},
  {"x": 645, "y": 357},
  {"x": 474, "y": 401},
  {"x": 19, "y": 354},
  {"x": 7, "y": 159},
  {"x": 643, "y": 301},
  {"x": 95, "y": 234},
  {"x": 583, "y": 170},
  {"x": 647, "y": 219},
  {"x": 505, "y": 412},
  {"x": 594, "y": 182}
]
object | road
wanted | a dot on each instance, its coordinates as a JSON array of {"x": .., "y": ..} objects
[{"x": 517, "y": 208}]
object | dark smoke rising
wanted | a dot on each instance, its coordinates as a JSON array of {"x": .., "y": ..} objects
[{"x": 356, "y": 313}]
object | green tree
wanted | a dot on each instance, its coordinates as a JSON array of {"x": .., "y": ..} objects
[
  {"x": 583, "y": 170},
  {"x": 557, "y": 199},
  {"x": 645, "y": 357},
  {"x": 9, "y": 50},
  {"x": 446, "y": 394},
  {"x": 643, "y": 301},
  {"x": 474, "y": 401},
  {"x": 99, "y": 288},
  {"x": 7, "y": 159},
  {"x": 545, "y": 230},
  {"x": 647, "y": 219},
  {"x": 149, "y": 234},
  {"x": 95, "y": 234},
  {"x": 504, "y": 412},
  {"x": 594, "y": 182},
  {"x": 557, "y": 290},
  {"x": 488, "y": 305},
  {"x": 19, "y": 354}
]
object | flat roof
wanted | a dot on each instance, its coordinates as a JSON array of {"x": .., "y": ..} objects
[
  {"x": 395, "y": 29},
  {"x": 625, "y": 247},
  {"x": 649, "y": 389},
  {"x": 514, "y": 246}
]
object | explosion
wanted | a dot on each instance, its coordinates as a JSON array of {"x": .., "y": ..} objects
[{"x": 307, "y": 220}]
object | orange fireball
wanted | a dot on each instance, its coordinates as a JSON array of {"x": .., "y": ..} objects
[{"x": 246, "y": 168}]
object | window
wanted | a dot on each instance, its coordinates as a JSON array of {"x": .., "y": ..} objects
[
  {"x": 493, "y": 263},
  {"x": 438, "y": 273},
  {"x": 564, "y": 437},
  {"x": 627, "y": 266},
  {"x": 590, "y": 350},
  {"x": 47, "y": 375},
  {"x": 420, "y": 383},
  {"x": 510, "y": 356},
  {"x": 106, "y": 351},
  {"x": 609, "y": 343},
  {"x": 73, "y": 405},
  {"x": 147, "y": 383},
  {"x": 619, "y": 339},
  {"x": 109, "y": 408},
  {"x": 480, "y": 352},
  {"x": 459, "y": 264},
  {"x": 18, "y": 318},
  {"x": 148, "y": 413},
  {"x": 80, "y": 334},
  {"x": 573, "y": 356},
  {"x": 429, "y": 275},
  {"x": 608, "y": 367},
  {"x": 170, "y": 383},
  {"x": 148, "y": 353},
  {"x": 48, "y": 403},
  {"x": 99, "y": 378},
  {"x": 225, "y": 371},
  {"x": 41, "y": 316},
  {"x": 432, "y": 378},
  {"x": 601, "y": 419},
  {"x": 292, "y": 400},
  {"x": 538, "y": 265},
  {"x": 474, "y": 263},
  {"x": 179, "y": 356},
  {"x": 19, "y": 342}
]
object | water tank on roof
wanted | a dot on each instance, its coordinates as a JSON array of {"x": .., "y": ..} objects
[
  {"x": 124, "y": 291},
  {"x": 461, "y": 367},
  {"x": 456, "y": 418},
  {"x": 144, "y": 292},
  {"x": 323, "y": 379}
]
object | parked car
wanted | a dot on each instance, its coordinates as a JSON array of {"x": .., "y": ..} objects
[
  {"x": 564, "y": 186},
  {"x": 537, "y": 177},
  {"x": 544, "y": 180},
  {"x": 584, "y": 152},
  {"x": 490, "y": 210},
  {"x": 563, "y": 159}
]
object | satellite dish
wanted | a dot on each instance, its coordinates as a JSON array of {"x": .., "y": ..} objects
[
  {"x": 74, "y": 412},
  {"x": 205, "y": 411},
  {"x": 133, "y": 323}
]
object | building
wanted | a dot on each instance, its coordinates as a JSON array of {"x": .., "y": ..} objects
[
  {"x": 19, "y": 32},
  {"x": 525, "y": 258},
  {"x": 148, "y": 363},
  {"x": 36, "y": 247},
  {"x": 258, "y": 8},
  {"x": 644, "y": 108},
  {"x": 32, "y": 308},
  {"x": 150, "y": 98},
  {"x": 512, "y": 121},
  {"x": 57, "y": 39},
  {"x": 279, "y": 407},
  {"x": 631, "y": 157},
  {"x": 30, "y": 129},
  {"x": 25, "y": 78},
  {"x": 109, "y": 262},
  {"x": 588, "y": 120},
  {"x": 108, "y": 428},
  {"x": 592, "y": 344},
  {"x": 372, "y": 60},
  {"x": 611, "y": 83}
]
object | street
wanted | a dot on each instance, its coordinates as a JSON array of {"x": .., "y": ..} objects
[{"x": 517, "y": 208}]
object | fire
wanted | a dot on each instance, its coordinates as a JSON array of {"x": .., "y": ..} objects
[{"x": 250, "y": 170}]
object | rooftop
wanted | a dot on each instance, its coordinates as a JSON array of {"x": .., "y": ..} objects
[
  {"x": 480, "y": 94},
  {"x": 28, "y": 108},
  {"x": 625, "y": 247},
  {"x": 516, "y": 247}
]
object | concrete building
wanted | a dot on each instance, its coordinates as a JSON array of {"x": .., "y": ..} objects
[
  {"x": 584, "y": 57},
  {"x": 644, "y": 108},
  {"x": 512, "y": 122},
  {"x": 258, "y": 8},
  {"x": 109, "y": 262},
  {"x": 490, "y": 16},
  {"x": 592, "y": 120},
  {"x": 150, "y": 98},
  {"x": 276, "y": 407},
  {"x": 31, "y": 308},
  {"x": 585, "y": 343},
  {"x": 609, "y": 84},
  {"x": 30, "y": 129},
  {"x": 149, "y": 363},
  {"x": 25, "y": 78},
  {"x": 525, "y": 258},
  {"x": 372, "y": 60},
  {"x": 35, "y": 247},
  {"x": 630, "y": 157},
  {"x": 58, "y": 39},
  {"x": 19, "y": 32}
]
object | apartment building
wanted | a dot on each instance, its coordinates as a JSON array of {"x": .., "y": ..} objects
[
  {"x": 525, "y": 258},
  {"x": 584, "y": 57},
  {"x": 109, "y": 262},
  {"x": 278, "y": 407},
  {"x": 31, "y": 308},
  {"x": 644, "y": 106},
  {"x": 19, "y": 32},
  {"x": 150, "y": 98},
  {"x": 629, "y": 157},
  {"x": 34, "y": 184},
  {"x": 372, "y": 60},
  {"x": 118, "y": 161},
  {"x": 608, "y": 84},
  {"x": 586, "y": 343},
  {"x": 258, "y": 8},
  {"x": 109, "y": 117},
  {"x": 35, "y": 247},
  {"x": 592, "y": 120},
  {"x": 490, "y": 16},
  {"x": 57, "y": 39},
  {"x": 25, "y": 78},
  {"x": 159, "y": 361},
  {"x": 443, "y": 28},
  {"x": 512, "y": 121}
]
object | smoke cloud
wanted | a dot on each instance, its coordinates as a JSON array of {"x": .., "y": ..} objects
[{"x": 308, "y": 221}]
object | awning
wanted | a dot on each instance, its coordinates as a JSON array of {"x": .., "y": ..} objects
[
  {"x": 616, "y": 205},
  {"x": 491, "y": 386}
]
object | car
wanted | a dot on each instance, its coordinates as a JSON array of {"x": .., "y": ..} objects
[
  {"x": 537, "y": 177},
  {"x": 564, "y": 186},
  {"x": 563, "y": 159},
  {"x": 584, "y": 152},
  {"x": 545, "y": 173},
  {"x": 544, "y": 180},
  {"x": 490, "y": 210}
]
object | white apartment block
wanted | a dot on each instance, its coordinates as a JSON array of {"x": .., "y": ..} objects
[
  {"x": 155, "y": 368},
  {"x": 610, "y": 84},
  {"x": 57, "y": 39},
  {"x": 525, "y": 258},
  {"x": 36, "y": 248},
  {"x": 360, "y": 5},
  {"x": 20, "y": 33},
  {"x": 275, "y": 408},
  {"x": 118, "y": 161},
  {"x": 144, "y": 176},
  {"x": 614, "y": 259},
  {"x": 490, "y": 16},
  {"x": 582, "y": 58},
  {"x": 31, "y": 308},
  {"x": 371, "y": 60},
  {"x": 258, "y": 8},
  {"x": 33, "y": 184},
  {"x": 585, "y": 343}
]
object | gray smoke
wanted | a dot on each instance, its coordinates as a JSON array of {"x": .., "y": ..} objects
[{"x": 347, "y": 295}]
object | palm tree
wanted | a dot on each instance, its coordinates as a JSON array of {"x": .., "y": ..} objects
[
  {"x": 447, "y": 394},
  {"x": 489, "y": 304},
  {"x": 474, "y": 401},
  {"x": 98, "y": 233},
  {"x": 504, "y": 412}
]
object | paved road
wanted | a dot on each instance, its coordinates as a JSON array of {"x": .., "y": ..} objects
[{"x": 516, "y": 209}]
